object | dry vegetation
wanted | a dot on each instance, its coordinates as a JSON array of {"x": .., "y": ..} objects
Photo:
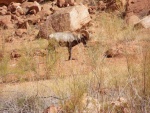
[{"x": 45, "y": 78}]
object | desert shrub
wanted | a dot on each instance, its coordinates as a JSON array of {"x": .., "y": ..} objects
[
  {"x": 22, "y": 104},
  {"x": 4, "y": 66}
]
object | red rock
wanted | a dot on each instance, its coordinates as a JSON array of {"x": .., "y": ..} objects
[
  {"x": 45, "y": 11},
  {"x": 132, "y": 20},
  {"x": 31, "y": 7},
  {"x": 5, "y": 21},
  {"x": 33, "y": 19},
  {"x": 15, "y": 54},
  {"x": 101, "y": 5},
  {"x": 23, "y": 25},
  {"x": 3, "y": 10},
  {"x": 7, "y": 2},
  {"x": 20, "y": 32},
  {"x": 65, "y": 3},
  {"x": 15, "y": 8},
  {"x": 138, "y": 7},
  {"x": 145, "y": 22},
  {"x": 35, "y": 8}
]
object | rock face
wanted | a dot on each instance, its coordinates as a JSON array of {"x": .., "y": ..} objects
[
  {"x": 138, "y": 7},
  {"x": 66, "y": 19}
]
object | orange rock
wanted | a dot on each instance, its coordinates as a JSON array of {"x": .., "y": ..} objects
[
  {"x": 3, "y": 10},
  {"x": 20, "y": 32},
  {"x": 5, "y": 21},
  {"x": 65, "y": 3},
  {"x": 138, "y": 7},
  {"x": 15, "y": 54}
]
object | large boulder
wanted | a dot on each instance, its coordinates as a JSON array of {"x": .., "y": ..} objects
[
  {"x": 66, "y": 19},
  {"x": 138, "y": 7}
]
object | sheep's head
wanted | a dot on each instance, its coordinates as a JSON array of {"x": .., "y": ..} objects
[
  {"x": 52, "y": 41},
  {"x": 85, "y": 34}
]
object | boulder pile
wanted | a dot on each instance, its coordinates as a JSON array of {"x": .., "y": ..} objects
[{"x": 18, "y": 15}]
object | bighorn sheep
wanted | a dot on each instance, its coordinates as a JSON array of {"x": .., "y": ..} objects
[{"x": 69, "y": 40}]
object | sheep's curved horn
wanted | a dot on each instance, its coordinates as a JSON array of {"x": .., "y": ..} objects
[{"x": 86, "y": 34}]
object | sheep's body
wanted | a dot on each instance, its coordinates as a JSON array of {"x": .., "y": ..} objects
[
  {"x": 63, "y": 36},
  {"x": 70, "y": 40}
]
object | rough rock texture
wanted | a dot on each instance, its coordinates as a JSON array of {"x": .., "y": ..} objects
[
  {"x": 5, "y": 21},
  {"x": 45, "y": 12},
  {"x": 144, "y": 23},
  {"x": 33, "y": 19},
  {"x": 133, "y": 19},
  {"x": 15, "y": 8},
  {"x": 3, "y": 10},
  {"x": 31, "y": 7},
  {"x": 138, "y": 7},
  {"x": 22, "y": 24},
  {"x": 20, "y": 32},
  {"x": 66, "y": 19},
  {"x": 7, "y": 2},
  {"x": 64, "y": 3},
  {"x": 35, "y": 8},
  {"x": 15, "y": 54}
]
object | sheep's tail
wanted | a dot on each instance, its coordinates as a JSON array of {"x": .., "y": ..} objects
[{"x": 85, "y": 34}]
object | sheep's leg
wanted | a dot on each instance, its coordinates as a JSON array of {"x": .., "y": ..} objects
[
  {"x": 84, "y": 43},
  {"x": 69, "y": 50}
]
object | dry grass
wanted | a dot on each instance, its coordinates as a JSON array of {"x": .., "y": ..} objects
[{"x": 103, "y": 79}]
